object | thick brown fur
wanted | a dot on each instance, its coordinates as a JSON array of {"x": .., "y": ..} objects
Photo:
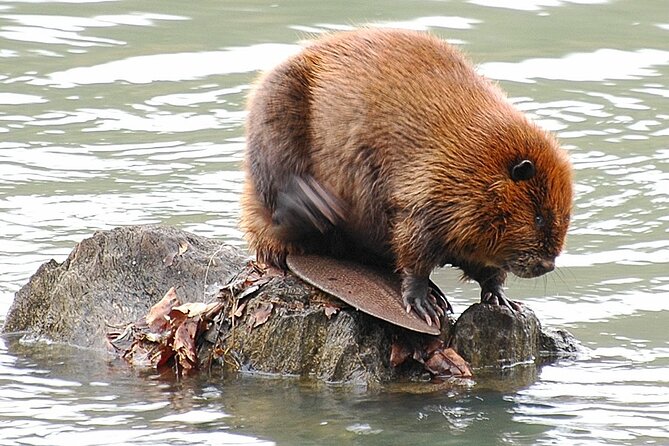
[{"x": 419, "y": 150}]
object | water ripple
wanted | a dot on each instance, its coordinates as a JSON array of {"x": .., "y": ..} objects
[
  {"x": 597, "y": 66},
  {"x": 172, "y": 67},
  {"x": 39, "y": 408},
  {"x": 597, "y": 414}
]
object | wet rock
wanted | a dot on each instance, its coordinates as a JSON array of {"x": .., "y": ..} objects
[
  {"x": 558, "y": 343},
  {"x": 300, "y": 339},
  {"x": 285, "y": 326},
  {"x": 113, "y": 278},
  {"x": 494, "y": 336}
]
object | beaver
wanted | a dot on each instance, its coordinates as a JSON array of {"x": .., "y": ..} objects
[{"x": 386, "y": 146}]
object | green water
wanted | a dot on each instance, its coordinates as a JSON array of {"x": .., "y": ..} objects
[{"x": 123, "y": 112}]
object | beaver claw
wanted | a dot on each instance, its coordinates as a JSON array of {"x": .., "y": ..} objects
[
  {"x": 426, "y": 300},
  {"x": 440, "y": 298},
  {"x": 499, "y": 298}
]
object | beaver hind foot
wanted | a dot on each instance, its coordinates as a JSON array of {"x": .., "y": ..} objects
[{"x": 305, "y": 207}]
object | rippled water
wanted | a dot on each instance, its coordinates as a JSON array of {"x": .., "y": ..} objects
[{"x": 118, "y": 112}]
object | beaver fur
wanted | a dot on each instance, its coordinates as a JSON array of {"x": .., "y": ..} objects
[{"x": 387, "y": 146}]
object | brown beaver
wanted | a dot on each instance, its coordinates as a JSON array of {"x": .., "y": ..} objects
[{"x": 386, "y": 146}]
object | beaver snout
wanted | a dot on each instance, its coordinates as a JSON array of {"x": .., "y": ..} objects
[
  {"x": 533, "y": 268},
  {"x": 542, "y": 267}
]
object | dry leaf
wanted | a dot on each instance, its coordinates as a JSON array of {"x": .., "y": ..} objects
[
  {"x": 161, "y": 354},
  {"x": 156, "y": 318},
  {"x": 459, "y": 362},
  {"x": 157, "y": 338},
  {"x": 213, "y": 309},
  {"x": 138, "y": 355},
  {"x": 248, "y": 291},
  {"x": 192, "y": 309},
  {"x": 262, "y": 313},
  {"x": 170, "y": 331},
  {"x": 433, "y": 345},
  {"x": 398, "y": 353},
  {"x": 184, "y": 343},
  {"x": 249, "y": 280},
  {"x": 145, "y": 354},
  {"x": 239, "y": 310},
  {"x": 448, "y": 363}
]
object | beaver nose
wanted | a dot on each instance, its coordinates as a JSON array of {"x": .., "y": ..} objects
[{"x": 544, "y": 266}]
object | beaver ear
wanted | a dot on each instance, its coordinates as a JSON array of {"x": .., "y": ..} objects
[{"x": 523, "y": 171}]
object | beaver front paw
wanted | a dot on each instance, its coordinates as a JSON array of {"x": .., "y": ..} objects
[
  {"x": 425, "y": 298},
  {"x": 496, "y": 296}
]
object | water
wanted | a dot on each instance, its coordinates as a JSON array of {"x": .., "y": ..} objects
[{"x": 118, "y": 112}]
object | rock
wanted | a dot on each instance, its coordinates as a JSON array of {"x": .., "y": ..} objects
[
  {"x": 113, "y": 278},
  {"x": 299, "y": 338},
  {"x": 494, "y": 336},
  {"x": 558, "y": 343},
  {"x": 281, "y": 326}
]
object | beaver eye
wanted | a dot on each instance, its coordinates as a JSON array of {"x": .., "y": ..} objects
[{"x": 539, "y": 221}]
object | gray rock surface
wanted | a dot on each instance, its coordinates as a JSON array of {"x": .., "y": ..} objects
[
  {"x": 494, "y": 336},
  {"x": 350, "y": 346},
  {"x": 113, "y": 278}
]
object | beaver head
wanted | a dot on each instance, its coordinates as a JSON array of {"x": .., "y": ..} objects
[{"x": 530, "y": 202}]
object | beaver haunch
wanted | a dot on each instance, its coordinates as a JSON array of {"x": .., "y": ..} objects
[{"x": 386, "y": 146}]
